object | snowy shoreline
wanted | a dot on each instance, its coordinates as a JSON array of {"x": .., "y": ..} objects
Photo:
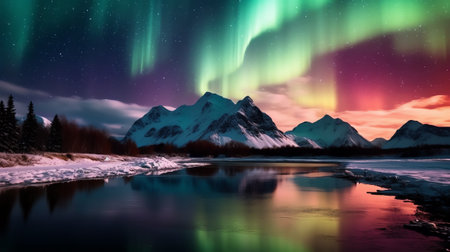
[
  {"x": 426, "y": 182},
  {"x": 431, "y": 197},
  {"x": 428, "y": 178},
  {"x": 52, "y": 167}
]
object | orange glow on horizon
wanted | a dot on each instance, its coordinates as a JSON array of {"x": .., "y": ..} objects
[{"x": 371, "y": 124}]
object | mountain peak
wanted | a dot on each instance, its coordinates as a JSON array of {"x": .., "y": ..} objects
[
  {"x": 212, "y": 118},
  {"x": 326, "y": 118},
  {"x": 156, "y": 112},
  {"x": 411, "y": 124},
  {"x": 159, "y": 108},
  {"x": 247, "y": 101},
  {"x": 40, "y": 119},
  {"x": 207, "y": 93},
  {"x": 414, "y": 133},
  {"x": 211, "y": 97},
  {"x": 330, "y": 132}
]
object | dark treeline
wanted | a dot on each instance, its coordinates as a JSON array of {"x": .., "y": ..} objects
[
  {"x": 62, "y": 135},
  {"x": 10, "y": 131},
  {"x": 200, "y": 148},
  {"x": 82, "y": 139},
  {"x": 235, "y": 149},
  {"x": 67, "y": 136}
]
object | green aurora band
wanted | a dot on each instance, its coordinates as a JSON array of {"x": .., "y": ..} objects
[
  {"x": 273, "y": 41},
  {"x": 144, "y": 52},
  {"x": 17, "y": 24},
  {"x": 245, "y": 45}
]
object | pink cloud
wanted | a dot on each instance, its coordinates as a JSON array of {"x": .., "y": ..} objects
[
  {"x": 384, "y": 123},
  {"x": 283, "y": 110},
  {"x": 432, "y": 102},
  {"x": 112, "y": 115},
  {"x": 287, "y": 114}
]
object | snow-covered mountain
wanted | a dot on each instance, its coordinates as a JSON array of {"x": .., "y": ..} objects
[
  {"x": 378, "y": 142},
  {"x": 304, "y": 142},
  {"x": 212, "y": 118},
  {"x": 329, "y": 132},
  {"x": 414, "y": 133},
  {"x": 40, "y": 119}
]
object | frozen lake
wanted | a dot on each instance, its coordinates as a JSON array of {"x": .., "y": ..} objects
[
  {"x": 431, "y": 170},
  {"x": 223, "y": 207}
]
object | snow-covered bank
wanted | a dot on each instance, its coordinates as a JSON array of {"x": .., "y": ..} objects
[
  {"x": 48, "y": 168},
  {"x": 424, "y": 181},
  {"x": 430, "y": 170},
  {"x": 403, "y": 186},
  {"x": 436, "y": 170}
]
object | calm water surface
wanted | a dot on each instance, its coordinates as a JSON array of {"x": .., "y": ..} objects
[{"x": 223, "y": 207}]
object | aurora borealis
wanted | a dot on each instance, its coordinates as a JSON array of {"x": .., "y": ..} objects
[
  {"x": 298, "y": 59},
  {"x": 259, "y": 53}
]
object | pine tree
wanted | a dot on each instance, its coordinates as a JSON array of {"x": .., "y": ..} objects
[
  {"x": 2, "y": 127},
  {"x": 55, "y": 138},
  {"x": 11, "y": 129},
  {"x": 29, "y": 136}
]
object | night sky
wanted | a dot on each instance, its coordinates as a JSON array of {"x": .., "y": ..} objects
[{"x": 373, "y": 63}]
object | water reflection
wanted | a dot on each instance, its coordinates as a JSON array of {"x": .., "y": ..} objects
[
  {"x": 241, "y": 178},
  {"x": 224, "y": 207},
  {"x": 56, "y": 195},
  {"x": 28, "y": 197},
  {"x": 60, "y": 194},
  {"x": 326, "y": 184},
  {"x": 205, "y": 171},
  {"x": 7, "y": 201}
]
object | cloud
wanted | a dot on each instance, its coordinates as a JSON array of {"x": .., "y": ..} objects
[
  {"x": 287, "y": 113},
  {"x": 383, "y": 123},
  {"x": 433, "y": 102},
  {"x": 284, "y": 110},
  {"x": 7, "y": 88},
  {"x": 114, "y": 116}
]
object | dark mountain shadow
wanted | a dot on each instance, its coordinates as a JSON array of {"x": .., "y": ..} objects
[
  {"x": 167, "y": 180},
  {"x": 60, "y": 194},
  {"x": 233, "y": 171},
  {"x": 7, "y": 200},
  {"x": 208, "y": 180},
  {"x": 28, "y": 196},
  {"x": 127, "y": 180},
  {"x": 203, "y": 171},
  {"x": 259, "y": 186},
  {"x": 325, "y": 184},
  {"x": 220, "y": 185}
]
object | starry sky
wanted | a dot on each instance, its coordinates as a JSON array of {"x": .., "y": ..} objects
[{"x": 373, "y": 63}]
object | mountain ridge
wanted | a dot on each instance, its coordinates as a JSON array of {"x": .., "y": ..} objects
[
  {"x": 219, "y": 120},
  {"x": 212, "y": 118},
  {"x": 415, "y": 134},
  {"x": 330, "y": 132}
]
